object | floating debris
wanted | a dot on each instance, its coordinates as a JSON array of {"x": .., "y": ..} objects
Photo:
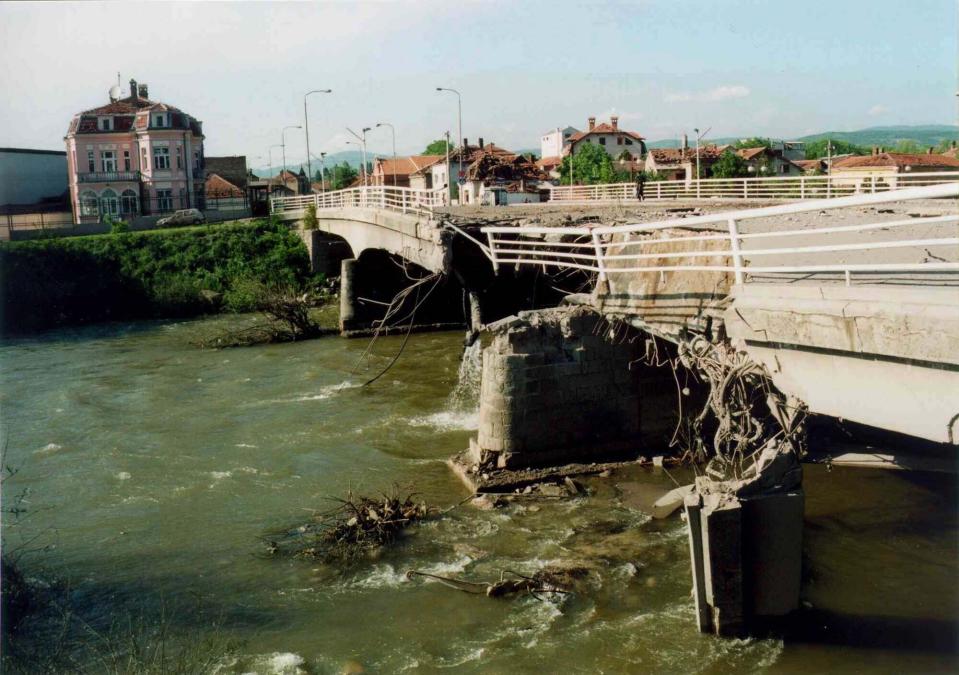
[
  {"x": 356, "y": 529},
  {"x": 558, "y": 580}
]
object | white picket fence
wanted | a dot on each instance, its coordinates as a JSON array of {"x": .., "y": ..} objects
[
  {"x": 635, "y": 248},
  {"x": 402, "y": 199},
  {"x": 775, "y": 187}
]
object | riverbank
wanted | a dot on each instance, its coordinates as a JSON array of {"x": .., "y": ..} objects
[{"x": 160, "y": 274}]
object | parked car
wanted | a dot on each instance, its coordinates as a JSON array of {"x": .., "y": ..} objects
[{"x": 182, "y": 217}]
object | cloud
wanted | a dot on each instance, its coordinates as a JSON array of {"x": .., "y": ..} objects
[
  {"x": 622, "y": 115},
  {"x": 877, "y": 109},
  {"x": 721, "y": 93}
]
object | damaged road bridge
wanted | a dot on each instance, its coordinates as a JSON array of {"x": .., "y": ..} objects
[
  {"x": 853, "y": 309},
  {"x": 395, "y": 219}
]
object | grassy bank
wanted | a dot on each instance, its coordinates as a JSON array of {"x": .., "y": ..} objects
[{"x": 164, "y": 273}]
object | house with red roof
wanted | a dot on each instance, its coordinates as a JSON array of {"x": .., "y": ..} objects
[
  {"x": 405, "y": 171},
  {"x": 611, "y": 138},
  {"x": 763, "y": 161},
  {"x": 888, "y": 168},
  {"x": 134, "y": 157}
]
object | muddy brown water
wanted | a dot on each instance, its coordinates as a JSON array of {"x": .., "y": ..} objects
[{"x": 154, "y": 469}]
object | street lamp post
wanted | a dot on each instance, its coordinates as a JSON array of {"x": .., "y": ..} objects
[
  {"x": 459, "y": 118},
  {"x": 306, "y": 127},
  {"x": 393, "y": 133},
  {"x": 362, "y": 140},
  {"x": 322, "y": 159},
  {"x": 283, "y": 140}
]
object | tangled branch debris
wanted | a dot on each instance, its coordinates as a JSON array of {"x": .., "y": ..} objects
[
  {"x": 287, "y": 313},
  {"x": 546, "y": 580},
  {"x": 748, "y": 414},
  {"x": 356, "y": 529}
]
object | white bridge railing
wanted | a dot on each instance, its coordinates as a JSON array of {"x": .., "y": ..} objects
[
  {"x": 402, "y": 199},
  {"x": 638, "y": 248},
  {"x": 774, "y": 187}
]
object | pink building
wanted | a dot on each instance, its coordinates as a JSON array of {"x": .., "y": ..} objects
[{"x": 134, "y": 157}]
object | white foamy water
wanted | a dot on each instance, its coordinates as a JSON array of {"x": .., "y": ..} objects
[
  {"x": 48, "y": 449},
  {"x": 465, "y": 395},
  {"x": 324, "y": 393},
  {"x": 462, "y": 406}
]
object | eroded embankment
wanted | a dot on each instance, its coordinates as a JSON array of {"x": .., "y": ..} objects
[{"x": 171, "y": 273}]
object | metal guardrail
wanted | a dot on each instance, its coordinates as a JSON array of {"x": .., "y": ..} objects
[
  {"x": 108, "y": 176},
  {"x": 633, "y": 248},
  {"x": 401, "y": 199},
  {"x": 773, "y": 187}
]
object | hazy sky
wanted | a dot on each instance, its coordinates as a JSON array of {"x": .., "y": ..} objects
[{"x": 664, "y": 66}]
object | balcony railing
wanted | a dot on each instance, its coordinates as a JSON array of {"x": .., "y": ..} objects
[{"x": 108, "y": 176}]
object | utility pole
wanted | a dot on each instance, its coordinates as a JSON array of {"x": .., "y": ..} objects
[
  {"x": 459, "y": 117},
  {"x": 322, "y": 172},
  {"x": 699, "y": 137},
  {"x": 306, "y": 126},
  {"x": 270, "y": 153},
  {"x": 449, "y": 178},
  {"x": 283, "y": 140},
  {"x": 393, "y": 133}
]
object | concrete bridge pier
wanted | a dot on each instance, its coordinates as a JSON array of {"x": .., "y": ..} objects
[
  {"x": 347, "y": 294},
  {"x": 564, "y": 385}
]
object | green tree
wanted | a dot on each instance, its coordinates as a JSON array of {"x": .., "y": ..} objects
[
  {"x": 907, "y": 145},
  {"x": 591, "y": 165},
  {"x": 438, "y": 147},
  {"x": 340, "y": 176},
  {"x": 730, "y": 165},
  {"x": 817, "y": 149},
  {"x": 945, "y": 145},
  {"x": 754, "y": 142}
]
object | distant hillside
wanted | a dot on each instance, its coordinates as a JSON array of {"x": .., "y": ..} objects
[
  {"x": 352, "y": 157},
  {"x": 923, "y": 134}
]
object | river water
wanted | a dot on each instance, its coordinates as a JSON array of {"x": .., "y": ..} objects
[{"x": 155, "y": 468}]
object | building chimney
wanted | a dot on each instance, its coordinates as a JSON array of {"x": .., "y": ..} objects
[
  {"x": 481, "y": 143},
  {"x": 685, "y": 143},
  {"x": 466, "y": 143},
  {"x": 614, "y": 120},
  {"x": 591, "y": 122},
  {"x": 875, "y": 151},
  {"x": 142, "y": 92},
  {"x": 133, "y": 88}
]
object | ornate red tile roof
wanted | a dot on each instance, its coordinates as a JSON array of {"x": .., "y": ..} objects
[{"x": 604, "y": 128}]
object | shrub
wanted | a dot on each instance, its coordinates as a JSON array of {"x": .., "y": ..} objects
[
  {"x": 74, "y": 280},
  {"x": 309, "y": 219}
]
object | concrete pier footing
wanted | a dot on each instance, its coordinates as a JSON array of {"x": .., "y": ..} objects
[{"x": 746, "y": 558}]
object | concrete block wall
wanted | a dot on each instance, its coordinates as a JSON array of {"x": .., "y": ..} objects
[{"x": 555, "y": 389}]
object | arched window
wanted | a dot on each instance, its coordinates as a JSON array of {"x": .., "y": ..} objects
[
  {"x": 88, "y": 204},
  {"x": 109, "y": 204},
  {"x": 129, "y": 203}
]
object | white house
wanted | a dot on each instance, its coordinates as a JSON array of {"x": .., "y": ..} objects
[
  {"x": 609, "y": 137},
  {"x": 552, "y": 143}
]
